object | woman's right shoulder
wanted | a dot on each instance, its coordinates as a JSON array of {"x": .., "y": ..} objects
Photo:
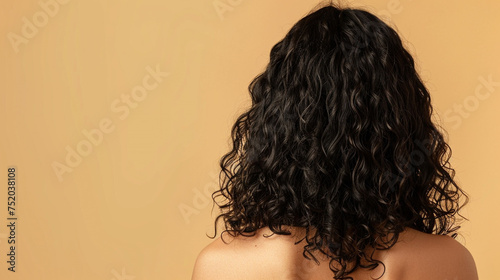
[{"x": 419, "y": 255}]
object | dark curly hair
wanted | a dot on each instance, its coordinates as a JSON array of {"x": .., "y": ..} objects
[{"x": 339, "y": 139}]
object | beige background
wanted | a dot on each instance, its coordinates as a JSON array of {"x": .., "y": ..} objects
[{"x": 135, "y": 205}]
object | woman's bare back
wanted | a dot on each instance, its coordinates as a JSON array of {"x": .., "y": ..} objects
[{"x": 416, "y": 255}]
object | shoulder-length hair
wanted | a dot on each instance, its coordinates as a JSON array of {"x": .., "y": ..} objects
[{"x": 339, "y": 139}]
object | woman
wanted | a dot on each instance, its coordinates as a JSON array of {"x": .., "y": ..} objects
[{"x": 337, "y": 170}]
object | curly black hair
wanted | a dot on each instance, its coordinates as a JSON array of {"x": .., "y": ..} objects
[{"x": 339, "y": 139}]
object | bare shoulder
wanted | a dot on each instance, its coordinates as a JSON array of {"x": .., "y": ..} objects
[
  {"x": 241, "y": 258},
  {"x": 207, "y": 264},
  {"x": 458, "y": 262},
  {"x": 429, "y": 256},
  {"x": 416, "y": 255}
]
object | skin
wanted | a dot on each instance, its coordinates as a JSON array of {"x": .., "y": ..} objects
[{"x": 416, "y": 255}]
